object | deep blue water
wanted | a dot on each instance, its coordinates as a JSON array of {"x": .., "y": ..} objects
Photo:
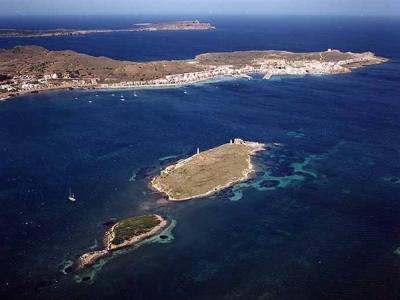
[{"x": 319, "y": 221}]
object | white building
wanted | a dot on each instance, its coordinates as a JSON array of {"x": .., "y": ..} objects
[{"x": 6, "y": 87}]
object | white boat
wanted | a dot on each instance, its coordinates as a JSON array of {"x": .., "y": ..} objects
[
  {"x": 71, "y": 196},
  {"x": 135, "y": 95}
]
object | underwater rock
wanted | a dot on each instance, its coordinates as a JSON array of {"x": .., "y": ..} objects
[
  {"x": 110, "y": 222},
  {"x": 269, "y": 183},
  {"x": 227, "y": 193},
  {"x": 43, "y": 284},
  {"x": 144, "y": 173},
  {"x": 306, "y": 175}
]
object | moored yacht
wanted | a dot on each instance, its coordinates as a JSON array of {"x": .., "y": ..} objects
[{"x": 71, "y": 196}]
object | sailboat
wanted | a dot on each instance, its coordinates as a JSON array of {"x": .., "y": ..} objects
[{"x": 71, "y": 196}]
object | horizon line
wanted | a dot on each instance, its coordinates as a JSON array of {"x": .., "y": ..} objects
[{"x": 201, "y": 15}]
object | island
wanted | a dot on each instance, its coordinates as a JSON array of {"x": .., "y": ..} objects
[
  {"x": 124, "y": 233},
  {"x": 175, "y": 26},
  {"x": 32, "y": 69},
  {"x": 207, "y": 172}
]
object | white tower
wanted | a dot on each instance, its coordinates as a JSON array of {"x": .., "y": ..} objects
[{"x": 198, "y": 151}]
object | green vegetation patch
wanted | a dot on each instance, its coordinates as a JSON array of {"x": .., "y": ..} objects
[{"x": 131, "y": 227}]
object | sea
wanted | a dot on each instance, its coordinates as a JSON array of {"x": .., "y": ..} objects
[{"x": 320, "y": 219}]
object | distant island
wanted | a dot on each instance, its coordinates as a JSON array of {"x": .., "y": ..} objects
[
  {"x": 177, "y": 25},
  {"x": 32, "y": 69},
  {"x": 124, "y": 233},
  {"x": 208, "y": 172}
]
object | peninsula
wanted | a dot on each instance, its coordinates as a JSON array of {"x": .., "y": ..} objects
[
  {"x": 175, "y": 26},
  {"x": 124, "y": 233},
  {"x": 31, "y": 69},
  {"x": 208, "y": 172}
]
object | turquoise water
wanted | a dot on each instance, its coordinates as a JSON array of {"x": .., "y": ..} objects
[{"x": 318, "y": 221}]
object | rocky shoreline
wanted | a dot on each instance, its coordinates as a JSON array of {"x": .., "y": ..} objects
[
  {"x": 158, "y": 184},
  {"x": 89, "y": 258}
]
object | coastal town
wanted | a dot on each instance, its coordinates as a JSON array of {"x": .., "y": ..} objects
[
  {"x": 267, "y": 68},
  {"x": 29, "y": 81}
]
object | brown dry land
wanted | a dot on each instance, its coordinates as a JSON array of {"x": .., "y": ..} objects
[
  {"x": 207, "y": 172},
  {"x": 241, "y": 58},
  {"x": 177, "y": 25},
  {"x": 36, "y": 62}
]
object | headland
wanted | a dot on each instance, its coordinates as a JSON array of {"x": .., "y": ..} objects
[
  {"x": 124, "y": 233},
  {"x": 32, "y": 69},
  {"x": 208, "y": 172},
  {"x": 174, "y": 26}
]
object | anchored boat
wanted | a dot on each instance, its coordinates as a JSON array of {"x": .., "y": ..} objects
[{"x": 71, "y": 196}]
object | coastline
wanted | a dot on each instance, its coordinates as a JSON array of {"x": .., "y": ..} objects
[
  {"x": 41, "y": 91},
  {"x": 218, "y": 78},
  {"x": 105, "y": 73},
  {"x": 211, "y": 79},
  {"x": 89, "y": 258},
  {"x": 245, "y": 175}
]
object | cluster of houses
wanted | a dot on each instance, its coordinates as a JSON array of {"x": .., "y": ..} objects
[
  {"x": 28, "y": 83},
  {"x": 185, "y": 78},
  {"x": 301, "y": 68},
  {"x": 6, "y": 87},
  {"x": 269, "y": 67}
]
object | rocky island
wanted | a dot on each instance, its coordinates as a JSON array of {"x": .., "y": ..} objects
[
  {"x": 124, "y": 233},
  {"x": 31, "y": 69},
  {"x": 208, "y": 172},
  {"x": 176, "y": 26}
]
